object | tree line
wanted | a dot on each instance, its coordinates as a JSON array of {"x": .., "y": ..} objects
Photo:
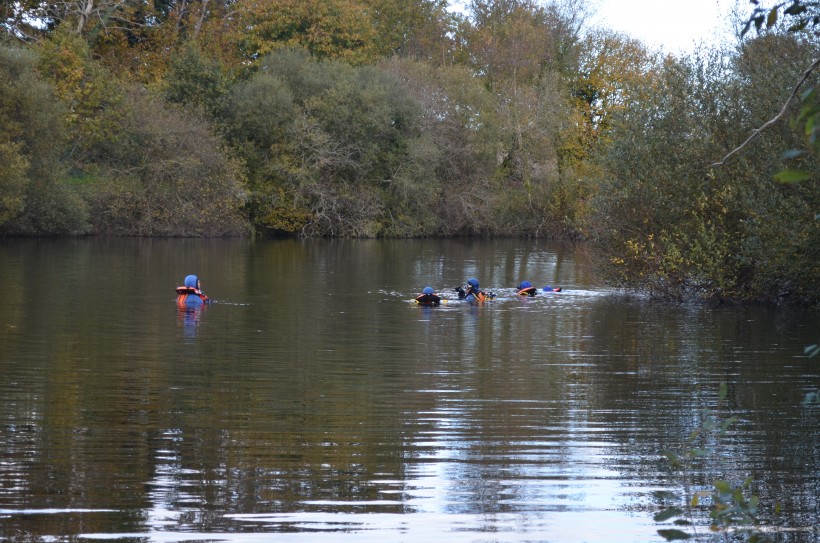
[{"x": 399, "y": 118}]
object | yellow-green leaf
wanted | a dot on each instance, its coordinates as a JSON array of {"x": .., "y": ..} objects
[
  {"x": 673, "y": 535},
  {"x": 791, "y": 176},
  {"x": 771, "y": 20},
  {"x": 668, "y": 514}
]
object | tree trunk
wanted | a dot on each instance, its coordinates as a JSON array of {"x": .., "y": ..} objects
[
  {"x": 202, "y": 12},
  {"x": 85, "y": 13}
]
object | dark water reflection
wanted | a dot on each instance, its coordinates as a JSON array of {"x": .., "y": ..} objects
[{"x": 315, "y": 402}]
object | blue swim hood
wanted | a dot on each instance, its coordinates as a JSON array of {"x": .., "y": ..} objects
[
  {"x": 428, "y": 290},
  {"x": 524, "y": 284},
  {"x": 191, "y": 280},
  {"x": 473, "y": 282}
]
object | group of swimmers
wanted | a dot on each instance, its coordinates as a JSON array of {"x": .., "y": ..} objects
[
  {"x": 190, "y": 293},
  {"x": 472, "y": 292}
]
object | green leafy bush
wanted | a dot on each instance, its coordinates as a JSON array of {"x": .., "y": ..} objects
[{"x": 33, "y": 197}]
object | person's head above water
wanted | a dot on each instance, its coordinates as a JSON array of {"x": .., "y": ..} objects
[
  {"x": 428, "y": 290},
  {"x": 524, "y": 284},
  {"x": 191, "y": 281},
  {"x": 473, "y": 282}
]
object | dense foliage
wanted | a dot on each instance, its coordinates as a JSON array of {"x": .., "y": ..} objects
[
  {"x": 671, "y": 222},
  {"x": 366, "y": 118}
]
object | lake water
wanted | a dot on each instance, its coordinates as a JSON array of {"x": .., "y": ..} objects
[{"x": 316, "y": 403}]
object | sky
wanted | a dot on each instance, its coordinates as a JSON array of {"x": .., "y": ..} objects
[{"x": 676, "y": 26}]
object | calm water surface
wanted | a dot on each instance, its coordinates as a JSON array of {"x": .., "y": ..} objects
[{"x": 316, "y": 403}]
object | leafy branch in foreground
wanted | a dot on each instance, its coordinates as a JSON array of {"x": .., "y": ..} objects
[
  {"x": 733, "y": 508},
  {"x": 809, "y": 115},
  {"x": 799, "y": 16}
]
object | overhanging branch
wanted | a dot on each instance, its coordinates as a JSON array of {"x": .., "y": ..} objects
[{"x": 756, "y": 132}]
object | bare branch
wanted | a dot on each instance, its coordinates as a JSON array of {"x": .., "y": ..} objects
[
  {"x": 203, "y": 11},
  {"x": 756, "y": 132}
]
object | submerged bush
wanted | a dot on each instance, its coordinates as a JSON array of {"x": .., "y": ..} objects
[{"x": 670, "y": 222}]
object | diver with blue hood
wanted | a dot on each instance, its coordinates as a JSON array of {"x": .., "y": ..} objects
[
  {"x": 190, "y": 294},
  {"x": 525, "y": 288},
  {"x": 428, "y": 297},
  {"x": 473, "y": 292}
]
